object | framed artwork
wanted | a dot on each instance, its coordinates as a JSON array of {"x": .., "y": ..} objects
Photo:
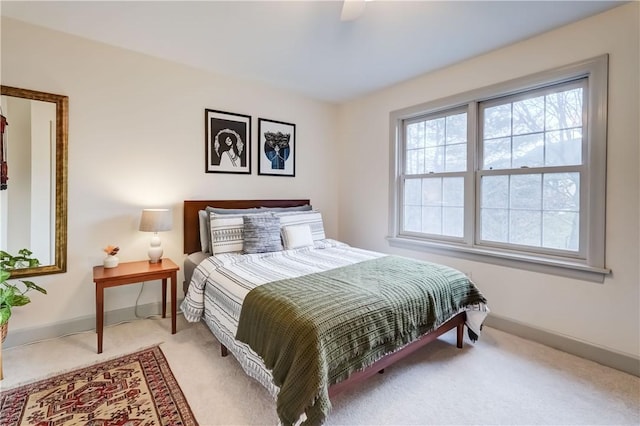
[
  {"x": 227, "y": 142},
  {"x": 276, "y": 148}
]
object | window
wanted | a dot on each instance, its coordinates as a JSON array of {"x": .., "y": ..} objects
[
  {"x": 513, "y": 173},
  {"x": 435, "y": 163}
]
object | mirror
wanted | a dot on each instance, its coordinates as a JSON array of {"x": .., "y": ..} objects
[{"x": 33, "y": 207}]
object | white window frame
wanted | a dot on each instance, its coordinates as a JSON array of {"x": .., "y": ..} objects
[{"x": 590, "y": 263}]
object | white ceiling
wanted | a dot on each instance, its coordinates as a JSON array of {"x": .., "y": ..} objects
[{"x": 303, "y": 45}]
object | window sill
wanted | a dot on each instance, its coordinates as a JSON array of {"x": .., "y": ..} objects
[{"x": 563, "y": 268}]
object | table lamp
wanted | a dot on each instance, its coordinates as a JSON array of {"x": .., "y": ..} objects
[{"x": 155, "y": 220}]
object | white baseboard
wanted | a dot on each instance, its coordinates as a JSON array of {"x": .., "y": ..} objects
[
  {"x": 82, "y": 324},
  {"x": 608, "y": 357}
]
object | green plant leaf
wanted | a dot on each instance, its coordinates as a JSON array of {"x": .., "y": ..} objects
[
  {"x": 6, "y": 296},
  {"x": 18, "y": 300},
  {"x": 11, "y": 294},
  {"x": 5, "y": 314},
  {"x": 33, "y": 286},
  {"x": 25, "y": 252}
]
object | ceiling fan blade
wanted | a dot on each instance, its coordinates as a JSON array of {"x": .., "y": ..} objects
[{"x": 352, "y": 9}]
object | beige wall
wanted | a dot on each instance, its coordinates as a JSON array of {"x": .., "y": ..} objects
[
  {"x": 136, "y": 139},
  {"x": 605, "y": 315}
]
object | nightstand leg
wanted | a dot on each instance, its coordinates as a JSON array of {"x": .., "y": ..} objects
[
  {"x": 164, "y": 298},
  {"x": 174, "y": 301},
  {"x": 99, "y": 314}
]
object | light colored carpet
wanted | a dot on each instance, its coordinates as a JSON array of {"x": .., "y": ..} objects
[{"x": 502, "y": 379}]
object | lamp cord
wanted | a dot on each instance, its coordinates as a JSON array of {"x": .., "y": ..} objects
[{"x": 135, "y": 310}]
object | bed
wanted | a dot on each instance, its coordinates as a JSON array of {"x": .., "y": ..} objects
[{"x": 247, "y": 300}]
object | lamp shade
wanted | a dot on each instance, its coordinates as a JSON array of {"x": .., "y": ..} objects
[{"x": 155, "y": 220}]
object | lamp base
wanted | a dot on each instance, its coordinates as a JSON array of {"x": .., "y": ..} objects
[{"x": 155, "y": 250}]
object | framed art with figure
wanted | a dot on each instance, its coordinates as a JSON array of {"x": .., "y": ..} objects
[
  {"x": 228, "y": 142},
  {"x": 277, "y": 148}
]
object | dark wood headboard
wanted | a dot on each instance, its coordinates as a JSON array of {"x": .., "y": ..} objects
[{"x": 191, "y": 226}]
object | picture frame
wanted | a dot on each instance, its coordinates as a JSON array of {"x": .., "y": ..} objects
[
  {"x": 227, "y": 142},
  {"x": 276, "y": 148}
]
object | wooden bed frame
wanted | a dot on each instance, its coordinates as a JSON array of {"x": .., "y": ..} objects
[{"x": 192, "y": 244}]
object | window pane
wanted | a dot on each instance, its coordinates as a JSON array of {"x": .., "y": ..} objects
[
  {"x": 497, "y": 121},
  {"x": 453, "y": 192},
  {"x": 564, "y": 148},
  {"x": 415, "y": 135},
  {"x": 432, "y": 220},
  {"x": 497, "y": 153},
  {"x": 412, "y": 219},
  {"x": 432, "y": 192},
  {"x": 564, "y": 109},
  {"x": 544, "y": 131},
  {"x": 537, "y": 210},
  {"x": 435, "y": 132},
  {"x": 453, "y": 221},
  {"x": 415, "y": 161},
  {"x": 456, "y": 158},
  {"x": 528, "y": 150},
  {"x": 528, "y": 116},
  {"x": 525, "y": 192},
  {"x": 494, "y": 225},
  {"x": 561, "y": 191},
  {"x": 434, "y": 159},
  {"x": 412, "y": 191},
  {"x": 561, "y": 230},
  {"x": 457, "y": 129},
  {"x": 525, "y": 227},
  {"x": 495, "y": 192},
  {"x": 434, "y": 206}
]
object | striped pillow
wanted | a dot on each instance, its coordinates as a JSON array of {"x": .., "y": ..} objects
[
  {"x": 312, "y": 218},
  {"x": 227, "y": 233},
  {"x": 261, "y": 233}
]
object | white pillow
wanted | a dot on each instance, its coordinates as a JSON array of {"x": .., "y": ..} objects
[
  {"x": 296, "y": 236},
  {"x": 312, "y": 218},
  {"x": 227, "y": 233}
]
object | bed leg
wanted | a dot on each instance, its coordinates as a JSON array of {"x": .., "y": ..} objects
[
  {"x": 460, "y": 335},
  {"x": 223, "y": 350}
]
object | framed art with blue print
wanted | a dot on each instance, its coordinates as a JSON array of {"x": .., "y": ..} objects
[
  {"x": 276, "y": 148},
  {"x": 228, "y": 142}
]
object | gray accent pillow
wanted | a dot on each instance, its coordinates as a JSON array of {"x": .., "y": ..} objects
[{"x": 261, "y": 233}]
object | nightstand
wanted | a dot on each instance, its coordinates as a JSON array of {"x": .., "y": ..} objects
[{"x": 135, "y": 272}]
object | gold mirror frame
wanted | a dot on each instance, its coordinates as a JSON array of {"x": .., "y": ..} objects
[{"x": 62, "y": 129}]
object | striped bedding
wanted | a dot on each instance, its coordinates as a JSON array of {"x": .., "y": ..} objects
[{"x": 221, "y": 282}]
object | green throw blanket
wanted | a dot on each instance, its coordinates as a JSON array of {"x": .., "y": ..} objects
[{"x": 314, "y": 331}]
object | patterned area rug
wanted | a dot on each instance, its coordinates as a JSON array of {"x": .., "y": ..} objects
[{"x": 134, "y": 390}]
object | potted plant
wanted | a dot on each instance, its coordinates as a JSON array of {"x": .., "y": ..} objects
[{"x": 12, "y": 295}]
